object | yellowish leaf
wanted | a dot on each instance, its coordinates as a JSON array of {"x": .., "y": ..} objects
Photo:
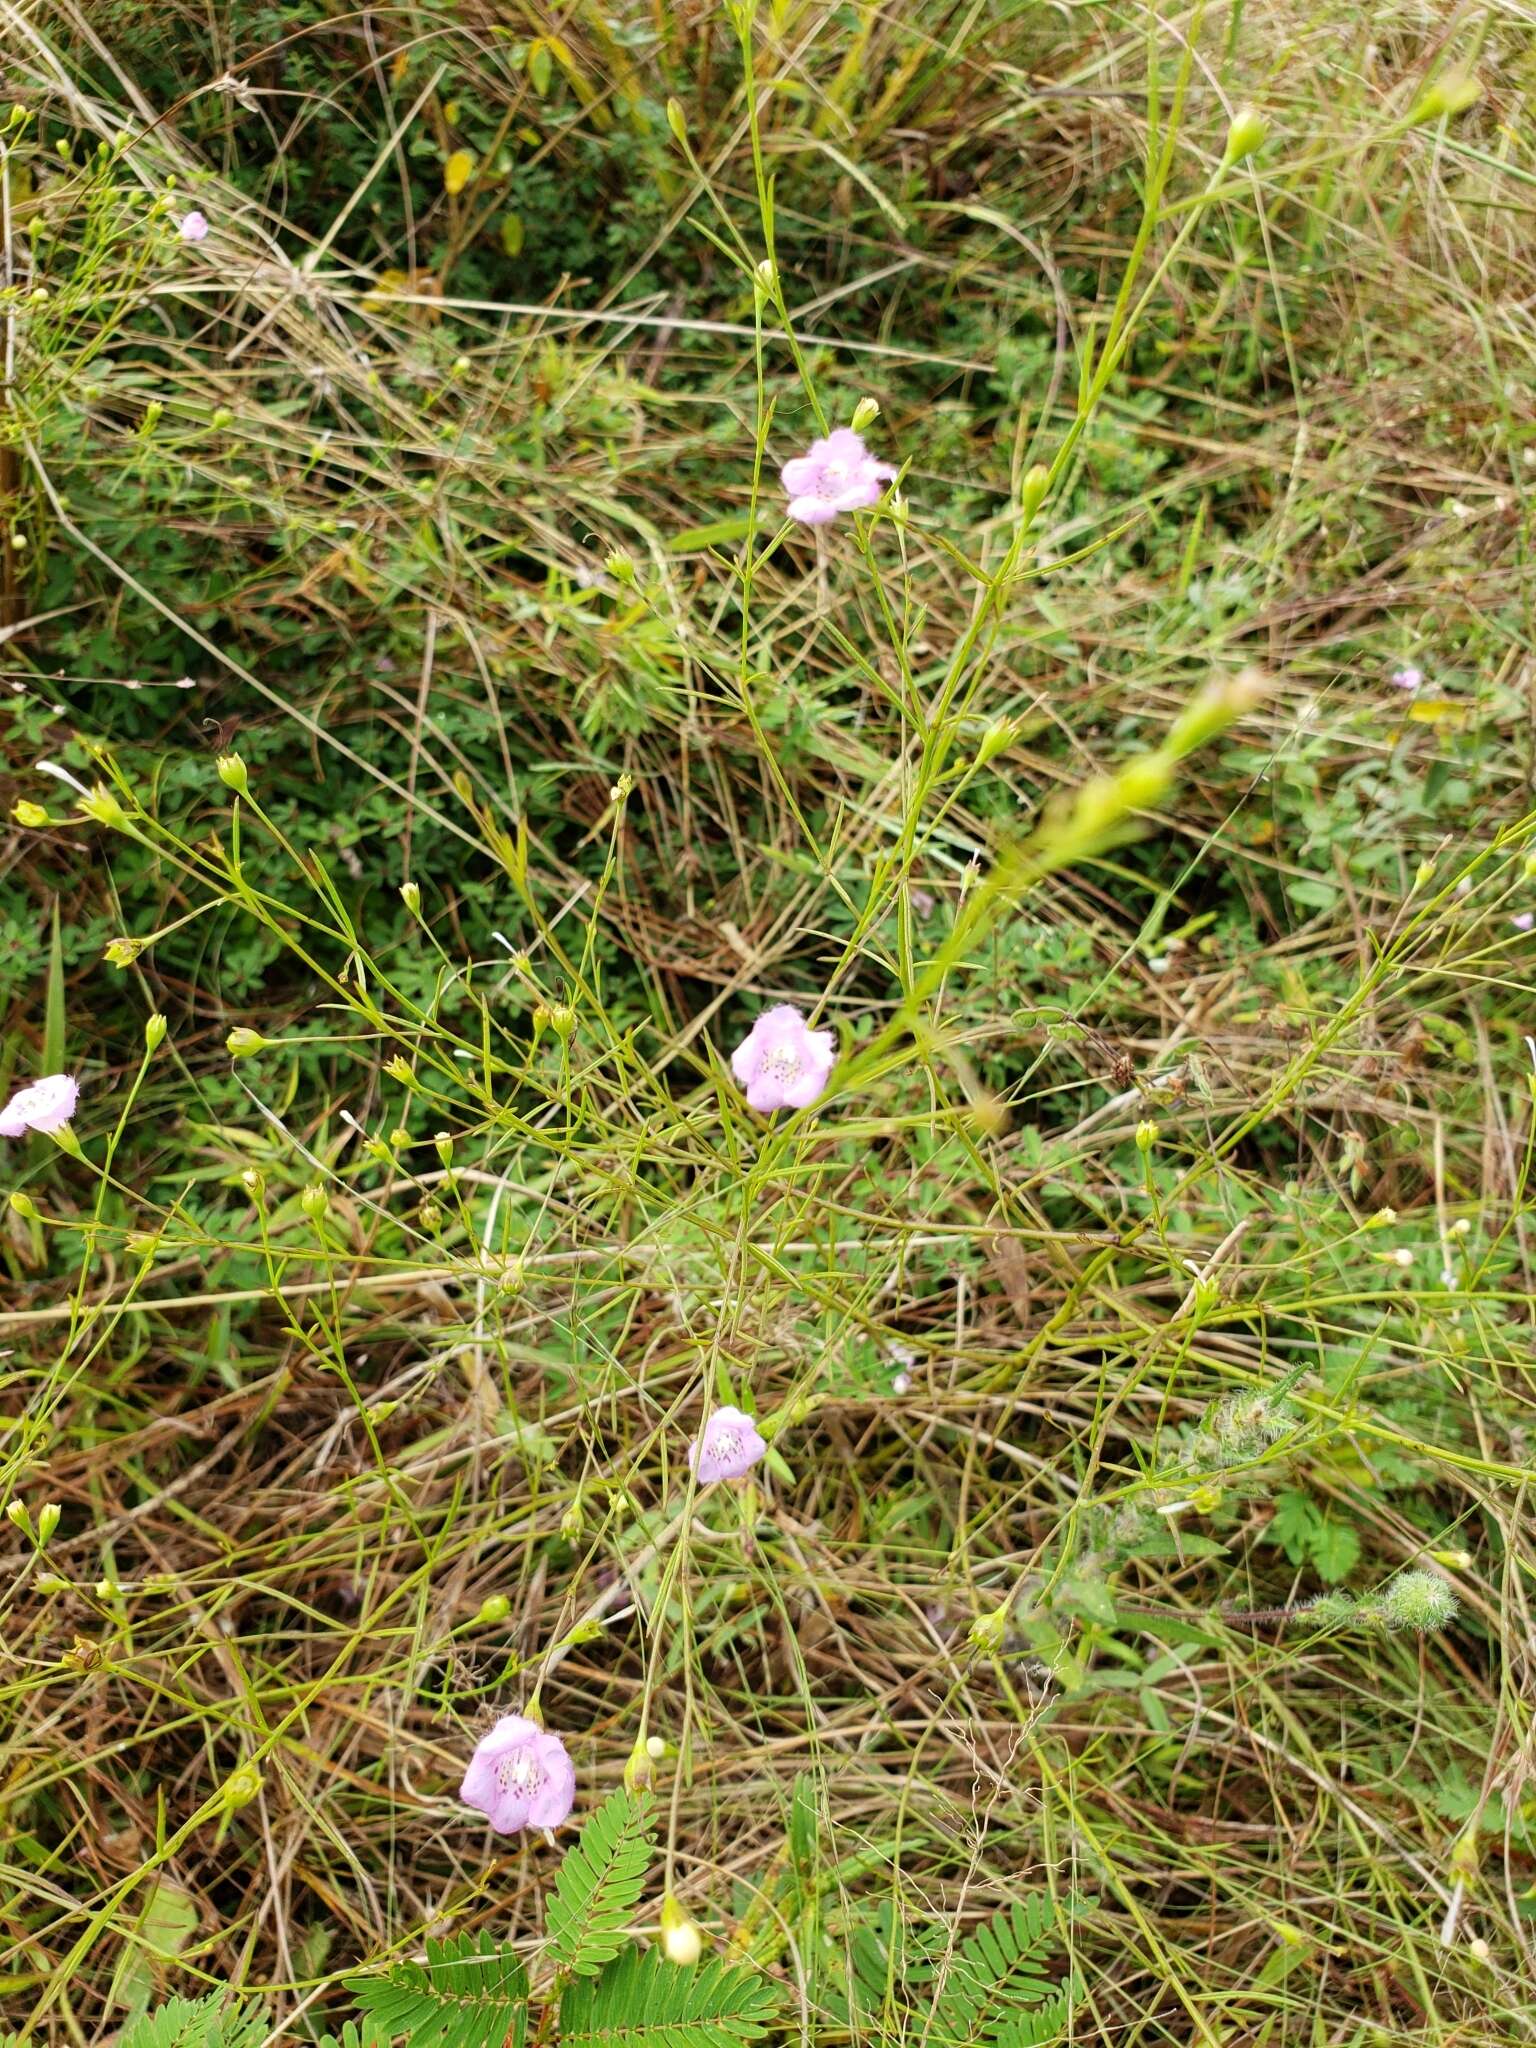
[{"x": 457, "y": 172}]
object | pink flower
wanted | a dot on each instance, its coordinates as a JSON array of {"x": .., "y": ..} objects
[
  {"x": 729, "y": 1446},
  {"x": 193, "y": 226},
  {"x": 1406, "y": 678},
  {"x": 836, "y": 474},
  {"x": 47, "y": 1106},
  {"x": 1522, "y": 922},
  {"x": 520, "y": 1777},
  {"x": 782, "y": 1063}
]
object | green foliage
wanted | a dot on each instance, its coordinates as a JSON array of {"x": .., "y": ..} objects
[
  {"x": 1311, "y": 1535},
  {"x": 995, "y": 1990},
  {"x": 469, "y": 1991},
  {"x": 599, "y": 1883},
  {"x": 197, "y": 2023},
  {"x": 643, "y": 2001}
]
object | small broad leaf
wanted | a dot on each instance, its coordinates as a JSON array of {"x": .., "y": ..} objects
[{"x": 457, "y": 172}]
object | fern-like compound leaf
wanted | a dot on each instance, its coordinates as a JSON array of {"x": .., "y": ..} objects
[
  {"x": 468, "y": 1993},
  {"x": 600, "y": 1883},
  {"x": 644, "y": 2001}
]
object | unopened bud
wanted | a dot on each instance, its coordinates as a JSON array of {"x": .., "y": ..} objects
[
  {"x": 22, "y": 1205},
  {"x": 681, "y": 1941},
  {"x": 240, "y": 1788},
  {"x": 1423, "y": 874},
  {"x": 314, "y": 1201},
  {"x": 47, "y": 1520},
  {"x": 677, "y": 121},
  {"x": 16, "y": 1514},
  {"x": 398, "y": 1068},
  {"x": 30, "y": 814},
  {"x": 1146, "y": 1135},
  {"x": 1382, "y": 1220},
  {"x": 122, "y": 952},
  {"x": 102, "y": 806},
  {"x": 231, "y": 772},
  {"x": 989, "y": 1631},
  {"x": 155, "y": 1028},
  {"x": 619, "y": 565},
  {"x": 639, "y": 1769},
  {"x": 410, "y": 896},
  {"x": 1037, "y": 481},
  {"x": 242, "y": 1042},
  {"x": 442, "y": 1144},
  {"x": 254, "y": 1183},
  {"x": 765, "y": 282},
  {"x": 1452, "y": 94},
  {"x": 494, "y": 1608},
  {"x": 1245, "y": 135},
  {"x": 998, "y": 737},
  {"x": 571, "y": 1521},
  {"x": 865, "y": 413}
]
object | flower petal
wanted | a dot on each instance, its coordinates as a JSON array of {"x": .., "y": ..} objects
[{"x": 812, "y": 511}]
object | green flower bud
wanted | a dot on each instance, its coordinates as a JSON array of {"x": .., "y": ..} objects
[
  {"x": 103, "y": 807},
  {"x": 16, "y": 1513},
  {"x": 677, "y": 121},
  {"x": 242, "y": 1042},
  {"x": 681, "y": 1941},
  {"x": 988, "y": 1632},
  {"x": 30, "y": 814},
  {"x": 47, "y": 1520},
  {"x": 410, "y": 896},
  {"x": 314, "y": 1201},
  {"x": 1452, "y": 94},
  {"x": 123, "y": 952},
  {"x": 22, "y": 1205},
  {"x": 240, "y": 1788},
  {"x": 399, "y": 1069},
  {"x": 155, "y": 1028},
  {"x": 254, "y": 1183},
  {"x": 865, "y": 413},
  {"x": 1037, "y": 482},
  {"x": 639, "y": 1770},
  {"x": 1146, "y": 1135},
  {"x": 442, "y": 1144},
  {"x": 493, "y": 1609},
  {"x": 1245, "y": 135},
  {"x": 232, "y": 773},
  {"x": 620, "y": 566}
]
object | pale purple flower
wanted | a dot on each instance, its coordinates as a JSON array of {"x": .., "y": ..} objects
[
  {"x": 520, "y": 1777},
  {"x": 782, "y": 1063},
  {"x": 1406, "y": 678},
  {"x": 729, "y": 1446},
  {"x": 46, "y": 1106},
  {"x": 1523, "y": 920},
  {"x": 835, "y": 474},
  {"x": 193, "y": 226}
]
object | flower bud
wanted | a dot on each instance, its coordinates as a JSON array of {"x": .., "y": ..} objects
[
  {"x": 1452, "y": 94},
  {"x": 123, "y": 952},
  {"x": 314, "y": 1201},
  {"x": 220, "y": 418},
  {"x": 47, "y": 1520},
  {"x": 765, "y": 281},
  {"x": 103, "y": 807},
  {"x": 1461, "y": 1227},
  {"x": 16, "y": 1514},
  {"x": 639, "y": 1770},
  {"x": 1245, "y": 135},
  {"x": 31, "y": 814},
  {"x": 998, "y": 737},
  {"x": 142, "y": 1244},
  {"x": 399, "y": 1069},
  {"x": 494, "y": 1608},
  {"x": 1382, "y": 1220},
  {"x": 22, "y": 1205},
  {"x": 988, "y": 1631},
  {"x": 442, "y": 1144},
  {"x": 620, "y": 566},
  {"x": 240, "y": 1788},
  {"x": 410, "y": 896},
  {"x": 681, "y": 1941},
  {"x": 254, "y": 1183},
  {"x": 1146, "y": 1135},
  {"x": 231, "y": 772},
  {"x": 242, "y": 1042},
  {"x": 865, "y": 413},
  {"x": 571, "y": 1521},
  {"x": 1037, "y": 481},
  {"x": 1453, "y": 1560},
  {"x": 1423, "y": 874},
  {"x": 677, "y": 121},
  {"x": 155, "y": 1028}
]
